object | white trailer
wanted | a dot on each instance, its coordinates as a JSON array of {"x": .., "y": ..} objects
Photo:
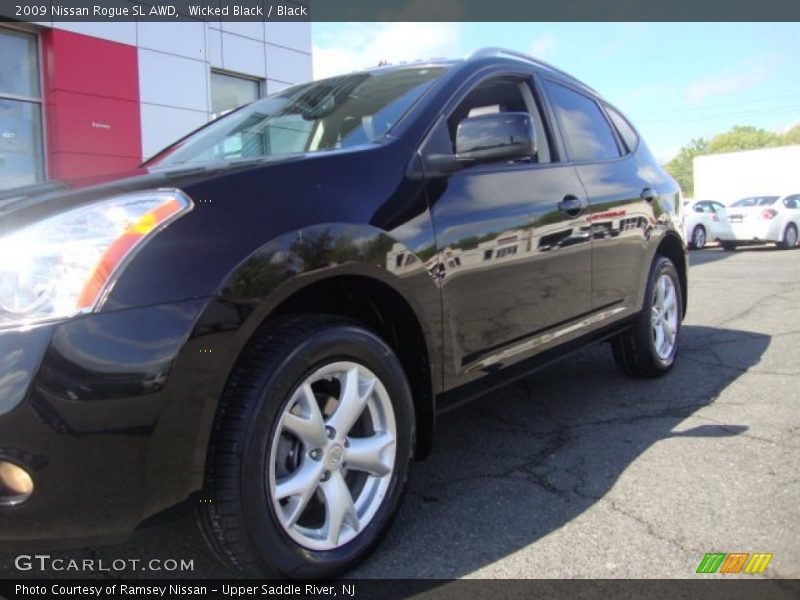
[{"x": 733, "y": 175}]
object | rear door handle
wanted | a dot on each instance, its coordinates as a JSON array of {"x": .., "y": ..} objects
[
  {"x": 571, "y": 205},
  {"x": 649, "y": 194}
]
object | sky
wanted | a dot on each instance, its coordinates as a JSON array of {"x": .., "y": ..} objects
[{"x": 675, "y": 81}]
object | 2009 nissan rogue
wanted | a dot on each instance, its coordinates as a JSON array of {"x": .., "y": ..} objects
[{"x": 268, "y": 315}]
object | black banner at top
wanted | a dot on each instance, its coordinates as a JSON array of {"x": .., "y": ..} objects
[{"x": 398, "y": 10}]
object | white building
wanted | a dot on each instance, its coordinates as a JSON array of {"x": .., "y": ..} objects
[{"x": 733, "y": 175}]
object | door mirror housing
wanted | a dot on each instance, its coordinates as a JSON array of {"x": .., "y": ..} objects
[{"x": 495, "y": 137}]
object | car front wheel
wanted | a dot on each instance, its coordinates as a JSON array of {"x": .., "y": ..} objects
[
  {"x": 310, "y": 452},
  {"x": 650, "y": 346},
  {"x": 698, "y": 237}
]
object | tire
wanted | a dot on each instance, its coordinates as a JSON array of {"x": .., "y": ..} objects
[
  {"x": 698, "y": 241},
  {"x": 272, "y": 504},
  {"x": 789, "y": 239},
  {"x": 637, "y": 351},
  {"x": 728, "y": 246}
]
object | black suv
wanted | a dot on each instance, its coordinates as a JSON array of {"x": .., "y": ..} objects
[{"x": 268, "y": 316}]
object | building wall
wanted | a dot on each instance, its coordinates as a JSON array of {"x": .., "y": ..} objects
[
  {"x": 117, "y": 93},
  {"x": 730, "y": 176}
]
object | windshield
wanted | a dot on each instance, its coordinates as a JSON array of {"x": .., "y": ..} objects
[
  {"x": 334, "y": 113},
  {"x": 755, "y": 201}
]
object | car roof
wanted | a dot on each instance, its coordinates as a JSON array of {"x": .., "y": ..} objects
[{"x": 489, "y": 55}]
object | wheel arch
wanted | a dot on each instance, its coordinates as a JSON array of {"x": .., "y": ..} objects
[{"x": 381, "y": 308}]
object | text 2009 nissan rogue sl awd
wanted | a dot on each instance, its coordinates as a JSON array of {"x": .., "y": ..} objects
[{"x": 268, "y": 315}]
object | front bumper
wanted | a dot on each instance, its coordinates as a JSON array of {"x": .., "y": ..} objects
[{"x": 110, "y": 414}]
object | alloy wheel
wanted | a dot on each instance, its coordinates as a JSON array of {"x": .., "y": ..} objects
[
  {"x": 791, "y": 237},
  {"x": 664, "y": 318},
  {"x": 332, "y": 456},
  {"x": 699, "y": 237}
]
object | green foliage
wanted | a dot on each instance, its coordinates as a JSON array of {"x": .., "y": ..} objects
[
  {"x": 739, "y": 137},
  {"x": 742, "y": 138},
  {"x": 681, "y": 168},
  {"x": 791, "y": 137}
]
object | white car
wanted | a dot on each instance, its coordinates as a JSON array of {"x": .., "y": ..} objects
[
  {"x": 762, "y": 219},
  {"x": 703, "y": 221}
]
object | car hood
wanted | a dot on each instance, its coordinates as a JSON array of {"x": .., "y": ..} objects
[{"x": 19, "y": 206}]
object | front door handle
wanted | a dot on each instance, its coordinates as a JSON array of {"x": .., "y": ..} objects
[
  {"x": 571, "y": 205},
  {"x": 649, "y": 194}
]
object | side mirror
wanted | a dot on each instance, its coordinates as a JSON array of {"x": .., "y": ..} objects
[{"x": 496, "y": 136}]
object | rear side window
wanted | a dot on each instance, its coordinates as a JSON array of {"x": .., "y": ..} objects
[
  {"x": 587, "y": 133},
  {"x": 626, "y": 132},
  {"x": 755, "y": 201}
]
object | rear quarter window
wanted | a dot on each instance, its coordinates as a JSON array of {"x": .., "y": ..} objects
[{"x": 624, "y": 128}]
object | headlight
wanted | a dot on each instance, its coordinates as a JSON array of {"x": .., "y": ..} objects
[{"x": 67, "y": 263}]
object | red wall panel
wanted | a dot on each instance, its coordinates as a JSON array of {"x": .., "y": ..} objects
[
  {"x": 92, "y": 104},
  {"x": 88, "y": 165},
  {"x": 94, "y": 125}
]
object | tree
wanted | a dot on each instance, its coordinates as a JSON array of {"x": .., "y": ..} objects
[
  {"x": 681, "y": 167},
  {"x": 742, "y": 138},
  {"x": 792, "y": 136}
]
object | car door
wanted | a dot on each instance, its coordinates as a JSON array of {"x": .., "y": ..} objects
[
  {"x": 705, "y": 215},
  {"x": 622, "y": 185},
  {"x": 513, "y": 241},
  {"x": 718, "y": 220}
]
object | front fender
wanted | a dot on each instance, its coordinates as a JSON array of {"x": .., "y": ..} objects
[{"x": 298, "y": 259}]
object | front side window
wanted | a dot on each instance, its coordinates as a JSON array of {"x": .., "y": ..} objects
[
  {"x": 330, "y": 114},
  {"x": 499, "y": 95},
  {"x": 21, "y": 148},
  {"x": 587, "y": 134}
]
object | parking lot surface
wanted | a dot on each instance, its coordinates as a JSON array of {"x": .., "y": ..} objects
[{"x": 579, "y": 471}]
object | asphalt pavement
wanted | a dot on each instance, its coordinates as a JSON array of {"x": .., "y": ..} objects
[{"x": 579, "y": 471}]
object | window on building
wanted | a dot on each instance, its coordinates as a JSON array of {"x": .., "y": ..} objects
[
  {"x": 507, "y": 251},
  {"x": 232, "y": 91},
  {"x": 21, "y": 148},
  {"x": 587, "y": 133}
]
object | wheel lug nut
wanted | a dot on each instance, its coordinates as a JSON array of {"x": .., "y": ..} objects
[
  {"x": 326, "y": 475},
  {"x": 315, "y": 454},
  {"x": 330, "y": 432}
]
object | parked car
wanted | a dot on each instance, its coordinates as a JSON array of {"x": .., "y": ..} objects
[
  {"x": 703, "y": 221},
  {"x": 762, "y": 219},
  {"x": 267, "y": 317}
]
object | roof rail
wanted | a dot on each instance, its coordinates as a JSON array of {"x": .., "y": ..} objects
[{"x": 497, "y": 51}]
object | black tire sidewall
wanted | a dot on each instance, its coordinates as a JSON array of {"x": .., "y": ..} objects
[{"x": 269, "y": 541}]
